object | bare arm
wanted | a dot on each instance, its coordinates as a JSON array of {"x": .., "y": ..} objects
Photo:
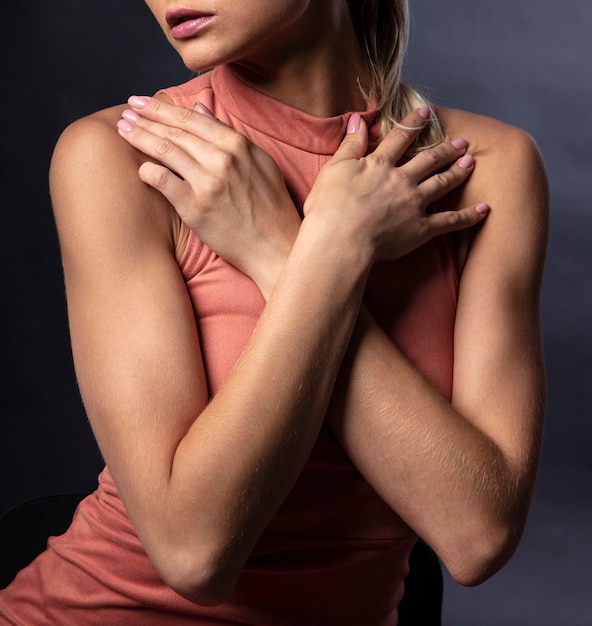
[
  {"x": 461, "y": 474},
  {"x": 198, "y": 506}
]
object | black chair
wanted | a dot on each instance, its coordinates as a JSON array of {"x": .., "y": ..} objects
[
  {"x": 25, "y": 528},
  {"x": 424, "y": 589}
]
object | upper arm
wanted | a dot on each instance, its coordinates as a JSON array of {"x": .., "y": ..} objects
[
  {"x": 133, "y": 331},
  {"x": 499, "y": 381}
]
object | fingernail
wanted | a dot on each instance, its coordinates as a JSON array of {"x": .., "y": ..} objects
[
  {"x": 130, "y": 116},
  {"x": 461, "y": 144},
  {"x": 204, "y": 109},
  {"x": 124, "y": 126},
  {"x": 424, "y": 112},
  {"x": 353, "y": 125},
  {"x": 466, "y": 162},
  {"x": 482, "y": 208},
  {"x": 138, "y": 102}
]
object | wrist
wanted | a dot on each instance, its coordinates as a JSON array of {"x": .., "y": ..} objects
[
  {"x": 269, "y": 276},
  {"x": 270, "y": 262},
  {"x": 337, "y": 243}
]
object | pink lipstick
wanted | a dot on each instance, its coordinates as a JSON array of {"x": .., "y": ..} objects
[{"x": 187, "y": 23}]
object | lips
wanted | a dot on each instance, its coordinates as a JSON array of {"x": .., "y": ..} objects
[
  {"x": 187, "y": 23},
  {"x": 174, "y": 17}
]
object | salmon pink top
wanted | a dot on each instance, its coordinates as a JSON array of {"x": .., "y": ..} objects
[{"x": 335, "y": 553}]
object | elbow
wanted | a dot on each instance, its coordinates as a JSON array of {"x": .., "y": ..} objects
[
  {"x": 479, "y": 557},
  {"x": 203, "y": 577}
]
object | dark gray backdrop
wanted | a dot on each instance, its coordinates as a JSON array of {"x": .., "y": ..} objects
[{"x": 523, "y": 62}]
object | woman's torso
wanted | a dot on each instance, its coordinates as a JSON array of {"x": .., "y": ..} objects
[{"x": 334, "y": 553}]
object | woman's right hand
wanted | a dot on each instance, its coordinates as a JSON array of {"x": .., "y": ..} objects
[
  {"x": 382, "y": 201},
  {"x": 223, "y": 186}
]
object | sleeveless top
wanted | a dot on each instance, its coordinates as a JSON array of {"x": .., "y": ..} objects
[{"x": 335, "y": 553}]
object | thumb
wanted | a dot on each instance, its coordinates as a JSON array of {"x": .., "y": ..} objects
[{"x": 355, "y": 142}]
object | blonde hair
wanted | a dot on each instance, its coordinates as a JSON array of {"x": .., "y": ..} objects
[{"x": 382, "y": 29}]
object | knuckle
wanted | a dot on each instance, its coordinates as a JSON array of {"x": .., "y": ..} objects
[
  {"x": 223, "y": 161},
  {"x": 404, "y": 177},
  {"x": 378, "y": 160},
  {"x": 435, "y": 157},
  {"x": 441, "y": 181},
  {"x": 238, "y": 144},
  {"x": 404, "y": 133},
  {"x": 453, "y": 219},
  {"x": 155, "y": 104},
  {"x": 162, "y": 177},
  {"x": 174, "y": 132},
  {"x": 164, "y": 147},
  {"x": 147, "y": 125},
  {"x": 155, "y": 175},
  {"x": 183, "y": 115},
  {"x": 404, "y": 183},
  {"x": 137, "y": 133},
  {"x": 211, "y": 185}
]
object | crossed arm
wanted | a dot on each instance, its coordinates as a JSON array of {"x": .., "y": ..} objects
[
  {"x": 461, "y": 473},
  {"x": 452, "y": 471}
]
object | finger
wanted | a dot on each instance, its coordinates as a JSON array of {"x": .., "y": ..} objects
[
  {"x": 355, "y": 142},
  {"x": 196, "y": 123},
  {"x": 203, "y": 109},
  {"x": 451, "y": 221},
  {"x": 439, "y": 184},
  {"x": 400, "y": 138},
  {"x": 178, "y": 192},
  {"x": 198, "y": 132},
  {"x": 427, "y": 162},
  {"x": 163, "y": 149},
  {"x": 200, "y": 149},
  {"x": 173, "y": 188}
]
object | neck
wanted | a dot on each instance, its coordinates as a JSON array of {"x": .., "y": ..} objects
[{"x": 316, "y": 67}]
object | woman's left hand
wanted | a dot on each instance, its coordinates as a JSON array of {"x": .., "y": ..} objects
[
  {"x": 382, "y": 199},
  {"x": 224, "y": 187}
]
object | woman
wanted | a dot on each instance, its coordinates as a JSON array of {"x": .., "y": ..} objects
[{"x": 303, "y": 336}]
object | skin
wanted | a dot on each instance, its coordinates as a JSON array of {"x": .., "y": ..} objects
[
  {"x": 270, "y": 43},
  {"x": 460, "y": 473}
]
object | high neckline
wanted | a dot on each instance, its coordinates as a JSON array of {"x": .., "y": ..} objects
[{"x": 280, "y": 121}]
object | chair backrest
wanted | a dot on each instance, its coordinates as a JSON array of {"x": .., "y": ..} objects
[
  {"x": 424, "y": 589},
  {"x": 26, "y": 527}
]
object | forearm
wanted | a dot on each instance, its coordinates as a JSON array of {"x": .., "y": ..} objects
[
  {"x": 446, "y": 477},
  {"x": 243, "y": 453},
  {"x": 200, "y": 478},
  {"x": 285, "y": 378}
]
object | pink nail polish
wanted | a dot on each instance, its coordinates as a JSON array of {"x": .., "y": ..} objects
[
  {"x": 202, "y": 108},
  {"x": 353, "y": 125},
  {"x": 130, "y": 116},
  {"x": 466, "y": 162},
  {"x": 482, "y": 208},
  {"x": 137, "y": 102},
  {"x": 424, "y": 112},
  {"x": 124, "y": 126},
  {"x": 461, "y": 144}
]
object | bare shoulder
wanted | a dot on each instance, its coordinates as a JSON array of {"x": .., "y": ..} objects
[
  {"x": 90, "y": 159},
  {"x": 94, "y": 180},
  {"x": 486, "y": 135},
  {"x": 88, "y": 138},
  {"x": 510, "y": 176},
  {"x": 506, "y": 156}
]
